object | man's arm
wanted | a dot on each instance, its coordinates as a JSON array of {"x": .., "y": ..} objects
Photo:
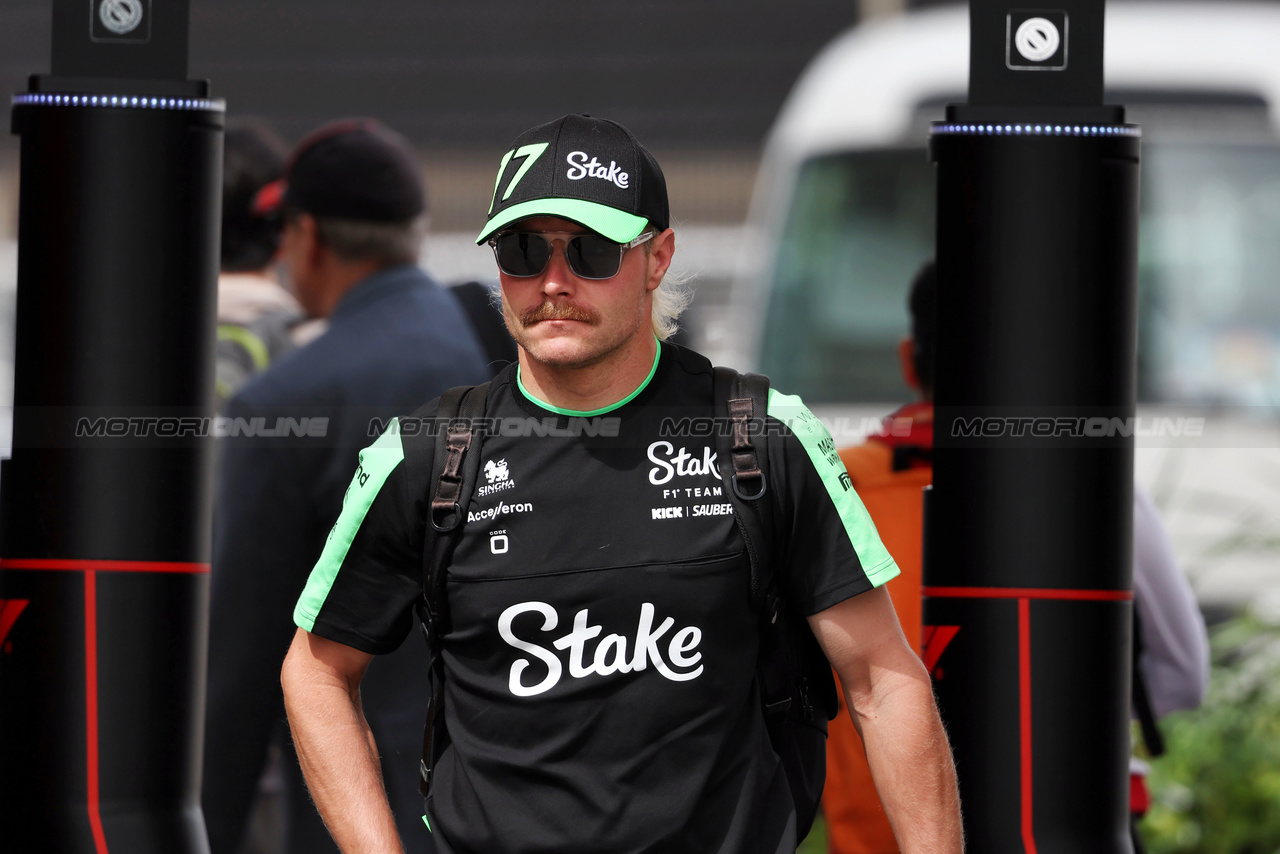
[
  {"x": 321, "y": 681},
  {"x": 891, "y": 702},
  {"x": 1175, "y": 642}
]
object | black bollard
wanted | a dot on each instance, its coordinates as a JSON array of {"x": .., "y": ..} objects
[
  {"x": 1027, "y": 572},
  {"x": 104, "y": 505}
]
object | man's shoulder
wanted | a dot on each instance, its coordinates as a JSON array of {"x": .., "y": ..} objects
[
  {"x": 407, "y": 343},
  {"x": 686, "y": 359},
  {"x": 395, "y": 296},
  {"x": 420, "y": 428},
  {"x": 287, "y": 381},
  {"x": 404, "y": 316}
]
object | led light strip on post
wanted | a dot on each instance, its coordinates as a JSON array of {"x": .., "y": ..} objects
[
  {"x": 120, "y": 101},
  {"x": 1132, "y": 131}
]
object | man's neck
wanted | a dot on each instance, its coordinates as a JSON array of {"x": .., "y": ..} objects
[
  {"x": 343, "y": 276},
  {"x": 590, "y": 387}
]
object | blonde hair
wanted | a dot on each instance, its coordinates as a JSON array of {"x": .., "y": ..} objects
[{"x": 670, "y": 299}]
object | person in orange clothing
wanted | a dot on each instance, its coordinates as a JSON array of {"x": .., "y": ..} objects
[{"x": 889, "y": 472}]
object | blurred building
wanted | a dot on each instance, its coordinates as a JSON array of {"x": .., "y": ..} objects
[{"x": 698, "y": 82}]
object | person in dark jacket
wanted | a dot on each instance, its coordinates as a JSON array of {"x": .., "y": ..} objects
[{"x": 353, "y": 208}]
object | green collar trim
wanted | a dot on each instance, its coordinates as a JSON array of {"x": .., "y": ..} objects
[{"x": 657, "y": 353}]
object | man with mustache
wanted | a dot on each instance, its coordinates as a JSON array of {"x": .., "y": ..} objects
[{"x": 600, "y": 649}]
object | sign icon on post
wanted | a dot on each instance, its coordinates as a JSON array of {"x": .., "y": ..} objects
[
  {"x": 121, "y": 21},
  {"x": 1036, "y": 40}
]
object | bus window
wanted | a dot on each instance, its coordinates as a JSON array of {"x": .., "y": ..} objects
[
  {"x": 861, "y": 223},
  {"x": 1209, "y": 273}
]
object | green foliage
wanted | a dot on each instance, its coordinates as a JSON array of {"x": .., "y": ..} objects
[
  {"x": 816, "y": 841},
  {"x": 1217, "y": 788}
]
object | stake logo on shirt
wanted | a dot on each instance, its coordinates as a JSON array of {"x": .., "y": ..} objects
[
  {"x": 668, "y": 463},
  {"x": 675, "y": 657}
]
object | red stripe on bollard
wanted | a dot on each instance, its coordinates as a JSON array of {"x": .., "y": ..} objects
[
  {"x": 59, "y": 564},
  {"x": 91, "y": 705},
  {"x": 1024, "y": 703},
  {"x": 1028, "y": 593}
]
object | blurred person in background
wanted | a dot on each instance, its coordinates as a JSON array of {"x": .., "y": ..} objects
[
  {"x": 257, "y": 317},
  {"x": 257, "y": 322},
  {"x": 889, "y": 472},
  {"x": 353, "y": 207}
]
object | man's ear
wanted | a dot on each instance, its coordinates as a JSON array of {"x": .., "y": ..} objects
[
  {"x": 663, "y": 247},
  {"x": 310, "y": 236},
  {"x": 907, "y": 362}
]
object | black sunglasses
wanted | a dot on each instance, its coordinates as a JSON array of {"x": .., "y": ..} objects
[{"x": 526, "y": 253}]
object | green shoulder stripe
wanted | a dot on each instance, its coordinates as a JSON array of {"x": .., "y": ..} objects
[
  {"x": 250, "y": 341},
  {"x": 816, "y": 440},
  {"x": 376, "y": 463}
]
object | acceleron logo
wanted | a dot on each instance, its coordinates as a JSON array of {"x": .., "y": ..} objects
[{"x": 10, "y": 610}]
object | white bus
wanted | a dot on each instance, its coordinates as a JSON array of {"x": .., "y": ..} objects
[{"x": 843, "y": 215}]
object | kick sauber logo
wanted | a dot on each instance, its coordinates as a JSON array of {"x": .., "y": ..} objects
[{"x": 670, "y": 462}]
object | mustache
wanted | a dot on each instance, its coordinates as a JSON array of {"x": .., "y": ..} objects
[{"x": 557, "y": 311}]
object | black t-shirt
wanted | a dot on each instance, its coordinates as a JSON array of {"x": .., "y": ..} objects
[{"x": 601, "y": 655}]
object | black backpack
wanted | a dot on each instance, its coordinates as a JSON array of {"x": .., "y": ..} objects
[{"x": 797, "y": 690}]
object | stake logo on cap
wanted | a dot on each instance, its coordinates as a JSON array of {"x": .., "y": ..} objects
[{"x": 587, "y": 170}]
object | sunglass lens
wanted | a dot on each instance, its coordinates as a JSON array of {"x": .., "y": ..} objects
[
  {"x": 522, "y": 254},
  {"x": 593, "y": 257}
]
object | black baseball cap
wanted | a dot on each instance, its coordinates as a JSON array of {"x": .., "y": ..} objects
[
  {"x": 354, "y": 169},
  {"x": 590, "y": 171}
]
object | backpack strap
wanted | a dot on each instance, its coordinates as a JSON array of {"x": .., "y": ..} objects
[
  {"x": 745, "y": 399},
  {"x": 455, "y": 466},
  {"x": 797, "y": 691}
]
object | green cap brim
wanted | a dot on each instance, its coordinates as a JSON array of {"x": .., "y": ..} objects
[{"x": 618, "y": 226}]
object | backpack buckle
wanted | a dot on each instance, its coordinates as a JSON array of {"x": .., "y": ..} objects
[
  {"x": 737, "y": 490},
  {"x": 445, "y": 516}
]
